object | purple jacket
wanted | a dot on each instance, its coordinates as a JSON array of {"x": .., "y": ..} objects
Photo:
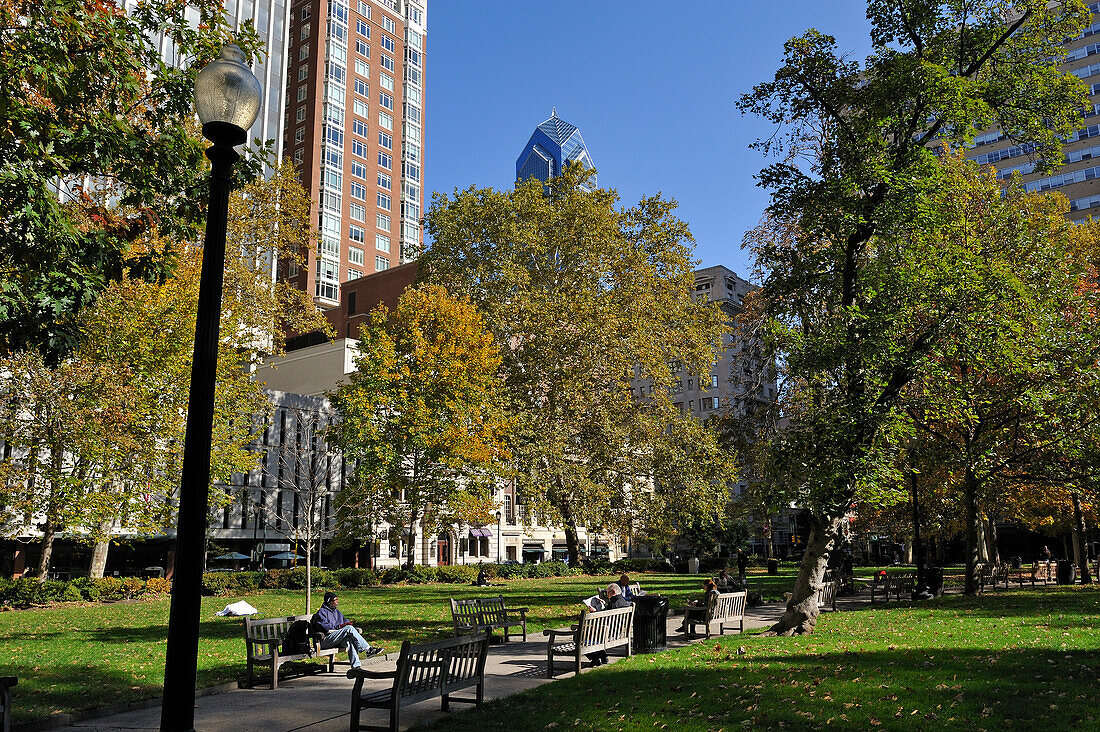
[{"x": 327, "y": 619}]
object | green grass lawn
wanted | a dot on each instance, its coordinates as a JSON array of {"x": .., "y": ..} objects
[
  {"x": 73, "y": 657},
  {"x": 1023, "y": 659}
]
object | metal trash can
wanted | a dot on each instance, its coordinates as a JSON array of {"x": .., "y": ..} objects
[
  {"x": 933, "y": 577},
  {"x": 773, "y": 566},
  {"x": 650, "y": 623},
  {"x": 1067, "y": 572}
]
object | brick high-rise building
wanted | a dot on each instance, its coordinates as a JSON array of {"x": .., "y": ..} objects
[
  {"x": 1077, "y": 179},
  {"x": 354, "y": 125}
]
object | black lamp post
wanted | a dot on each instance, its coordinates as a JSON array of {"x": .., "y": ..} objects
[{"x": 227, "y": 98}]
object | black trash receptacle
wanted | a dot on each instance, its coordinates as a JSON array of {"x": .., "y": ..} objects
[
  {"x": 934, "y": 579},
  {"x": 1067, "y": 572},
  {"x": 1017, "y": 562},
  {"x": 773, "y": 566},
  {"x": 650, "y": 623}
]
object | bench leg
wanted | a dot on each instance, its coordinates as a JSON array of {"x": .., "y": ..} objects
[
  {"x": 274, "y": 674},
  {"x": 481, "y": 691},
  {"x": 524, "y": 631},
  {"x": 549, "y": 662},
  {"x": 395, "y": 716},
  {"x": 446, "y": 702},
  {"x": 577, "y": 665}
]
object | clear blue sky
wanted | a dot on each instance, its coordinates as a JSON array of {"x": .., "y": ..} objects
[{"x": 651, "y": 85}]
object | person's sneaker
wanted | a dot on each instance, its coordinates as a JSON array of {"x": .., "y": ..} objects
[{"x": 372, "y": 651}]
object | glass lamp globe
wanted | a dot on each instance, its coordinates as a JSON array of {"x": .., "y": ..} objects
[{"x": 227, "y": 91}]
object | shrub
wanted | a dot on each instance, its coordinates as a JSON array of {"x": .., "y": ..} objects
[
  {"x": 355, "y": 577},
  {"x": 421, "y": 574},
  {"x": 111, "y": 588},
  {"x": 158, "y": 586},
  {"x": 597, "y": 566},
  {"x": 216, "y": 584},
  {"x": 457, "y": 574},
  {"x": 24, "y": 592},
  {"x": 641, "y": 564},
  {"x": 505, "y": 571},
  {"x": 393, "y": 575}
]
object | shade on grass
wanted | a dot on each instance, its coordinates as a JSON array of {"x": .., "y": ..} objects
[
  {"x": 81, "y": 656},
  {"x": 1024, "y": 659}
]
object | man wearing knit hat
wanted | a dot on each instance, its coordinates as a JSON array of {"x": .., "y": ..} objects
[{"x": 339, "y": 631}]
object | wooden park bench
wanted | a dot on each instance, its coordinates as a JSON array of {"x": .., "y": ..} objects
[
  {"x": 1044, "y": 571},
  {"x": 826, "y": 595},
  {"x": 990, "y": 574},
  {"x": 634, "y": 590},
  {"x": 487, "y": 613},
  {"x": 263, "y": 639},
  {"x": 6, "y": 682},
  {"x": 423, "y": 672},
  {"x": 594, "y": 632},
  {"x": 726, "y": 607},
  {"x": 891, "y": 583}
]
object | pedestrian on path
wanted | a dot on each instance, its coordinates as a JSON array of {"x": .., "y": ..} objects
[{"x": 339, "y": 632}]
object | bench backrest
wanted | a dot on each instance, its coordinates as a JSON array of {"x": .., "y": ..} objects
[
  {"x": 826, "y": 593},
  {"x": 492, "y": 609},
  {"x": 430, "y": 669},
  {"x": 730, "y": 605},
  {"x": 270, "y": 628},
  {"x": 478, "y": 611},
  {"x": 605, "y": 626}
]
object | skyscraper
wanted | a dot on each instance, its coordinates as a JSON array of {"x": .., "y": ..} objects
[
  {"x": 1077, "y": 178},
  {"x": 553, "y": 145},
  {"x": 354, "y": 121}
]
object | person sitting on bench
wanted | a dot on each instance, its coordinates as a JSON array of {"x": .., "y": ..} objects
[
  {"x": 697, "y": 610},
  {"x": 615, "y": 601},
  {"x": 339, "y": 631}
]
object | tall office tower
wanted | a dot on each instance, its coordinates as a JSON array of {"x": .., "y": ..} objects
[
  {"x": 354, "y": 121},
  {"x": 554, "y": 144},
  {"x": 1077, "y": 179},
  {"x": 268, "y": 17}
]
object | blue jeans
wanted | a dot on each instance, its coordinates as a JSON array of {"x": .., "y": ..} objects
[{"x": 350, "y": 637}]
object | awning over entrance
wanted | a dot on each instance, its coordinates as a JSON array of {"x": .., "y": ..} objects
[{"x": 480, "y": 532}]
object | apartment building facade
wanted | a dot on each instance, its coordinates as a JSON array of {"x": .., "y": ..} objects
[
  {"x": 354, "y": 125},
  {"x": 1077, "y": 179}
]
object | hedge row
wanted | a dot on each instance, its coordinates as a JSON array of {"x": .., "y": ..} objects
[{"x": 29, "y": 591}]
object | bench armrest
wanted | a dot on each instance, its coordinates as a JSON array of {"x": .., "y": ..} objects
[
  {"x": 362, "y": 673},
  {"x": 551, "y": 632},
  {"x": 265, "y": 641},
  {"x": 517, "y": 609}
]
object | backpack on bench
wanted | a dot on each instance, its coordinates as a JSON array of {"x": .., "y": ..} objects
[{"x": 297, "y": 639}]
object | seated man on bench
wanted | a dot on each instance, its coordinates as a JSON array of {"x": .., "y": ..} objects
[
  {"x": 699, "y": 608},
  {"x": 339, "y": 632}
]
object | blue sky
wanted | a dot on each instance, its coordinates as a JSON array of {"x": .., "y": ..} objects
[{"x": 651, "y": 85}]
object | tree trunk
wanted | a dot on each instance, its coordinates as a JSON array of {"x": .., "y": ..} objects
[
  {"x": 48, "y": 533},
  {"x": 572, "y": 543},
  {"x": 99, "y": 559},
  {"x": 802, "y": 611},
  {"x": 411, "y": 559},
  {"x": 983, "y": 545},
  {"x": 991, "y": 541},
  {"x": 1080, "y": 558},
  {"x": 309, "y": 578},
  {"x": 970, "y": 497}
]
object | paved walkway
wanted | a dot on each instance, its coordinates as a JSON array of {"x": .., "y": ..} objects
[{"x": 322, "y": 702}]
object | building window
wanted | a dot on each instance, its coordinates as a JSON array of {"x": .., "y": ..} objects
[
  {"x": 361, "y": 88},
  {"x": 389, "y": 25},
  {"x": 359, "y": 127},
  {"x": 381, "y": 263},
  {"x": 412, "y": 172},
  {"x": 299, "y": 134},
  {"x": 300, "y": 115},
  {"x": 358, "y": 169},
  {"x": 384, "y": 181},
  {"x": 358, "y": 190},
  {"x": 385, "y": 120},
  {"x": 382, "y": 243},
  {"x": 301, "y": 93},
  {"x": 362, "y": 48},
  {"x": 362, "y": 28},
  {"x": 385, "y": 140},
  {"x": 388, "y": 43},
  {"x": 355, "y": 254},
  {"x": 385, "y": 81},
  {"x": 362, "y": 68},
  {"x": 363, "y": 8},
  {"x": 359, "y": 107},
  {"x": 714, "y": 381},
  {"x": 298, "y": 156},
  {"x": 356, "y": 234},
  {"x": 383, "y": 222},
  {"x": 357, "y": 212},
  {"x": 388, "y": 63},
  {"x": 354, "y": 274},
  {"x": 303, "y": 72},
  {"x": 385, "y": 100},
  {"x": 304, "y": 34},
  {"x": 358, "y": 147},
  {"x": 385, "y": 160},
  {"x": 412, "y": 113},
  {"x": 303, "y": 53},
  {"x": 383, "y": 202}
]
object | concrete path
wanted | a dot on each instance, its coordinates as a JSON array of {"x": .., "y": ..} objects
[{"x": 322, "y": 702}]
